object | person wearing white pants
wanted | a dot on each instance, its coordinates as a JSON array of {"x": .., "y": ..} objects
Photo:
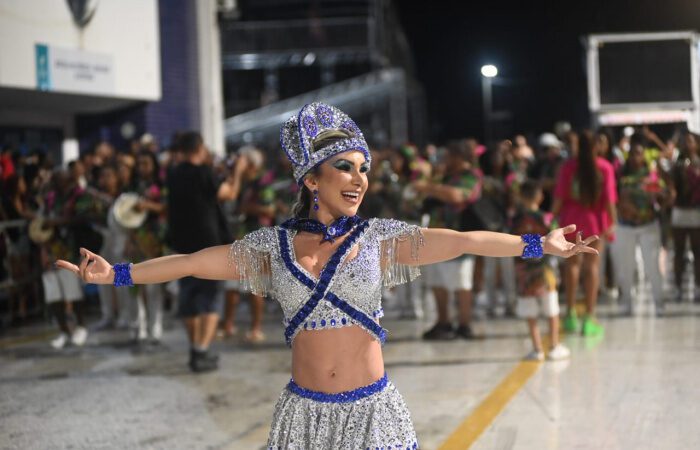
[
  {"x": 125, "y": 307},
  {"x": 648, "y": 237},
  {"x": 506, "y": 295},
  {"x": 641, "y": 192},
  {"x": 149, "y": 318}
]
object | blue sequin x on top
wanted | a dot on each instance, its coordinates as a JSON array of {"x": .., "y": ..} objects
[{"x": 348, "y": 291}]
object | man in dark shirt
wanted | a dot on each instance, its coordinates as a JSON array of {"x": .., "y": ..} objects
[{"x": 195, "y": 222}]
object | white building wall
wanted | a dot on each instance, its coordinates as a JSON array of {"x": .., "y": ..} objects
[
  {"x": 125, "y": 32},
  {"x": 210, "y": 90}
]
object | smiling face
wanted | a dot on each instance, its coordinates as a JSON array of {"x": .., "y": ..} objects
[{"x": 341, "y": 182}]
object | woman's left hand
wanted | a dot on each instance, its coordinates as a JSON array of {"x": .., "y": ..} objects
[{"x": 556, "y": 244}]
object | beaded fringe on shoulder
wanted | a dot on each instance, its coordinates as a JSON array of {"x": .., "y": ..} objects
[
  {"x": 394, "y": 272},
  {"x": 253, "y": 267}
]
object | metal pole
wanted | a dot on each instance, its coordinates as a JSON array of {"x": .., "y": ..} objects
[{"x": 486, "y": 97}]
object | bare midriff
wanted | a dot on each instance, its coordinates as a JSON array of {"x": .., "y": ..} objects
[{"x": 336, "y": 360}]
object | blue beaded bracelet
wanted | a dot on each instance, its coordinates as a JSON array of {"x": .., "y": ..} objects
[
  {"x": 122, "y": 274},
  {"x": 533, "y": 246}
]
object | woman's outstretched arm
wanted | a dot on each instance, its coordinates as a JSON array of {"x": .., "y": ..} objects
[
  {"x": 443, "y": 244},
  {"x": 210, "y": 263}
]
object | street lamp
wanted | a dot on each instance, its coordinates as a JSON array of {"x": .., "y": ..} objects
[{"x": 488, "y": 72}]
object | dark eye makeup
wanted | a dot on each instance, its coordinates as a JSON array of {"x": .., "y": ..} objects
[
  {"x": 343, "y": 165},
  {"x": 346, "y": 166}
]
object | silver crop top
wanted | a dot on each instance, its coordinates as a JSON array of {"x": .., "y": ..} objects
[{"x": 347, "y": 292}]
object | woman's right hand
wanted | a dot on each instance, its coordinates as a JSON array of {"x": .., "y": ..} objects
[{"x": 93, "y": 268}]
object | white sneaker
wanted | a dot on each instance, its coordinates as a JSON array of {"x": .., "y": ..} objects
[
  {"x": 534, "y": 356},
  {"x": 60, "y": 341},
  {"x": 140, "y": 333},
  {"x": 558, "y": 353},
  {"x": 481, "y": 299},
  {"x": 79, "y": 336},
  {"x": 157, "y": 331}
]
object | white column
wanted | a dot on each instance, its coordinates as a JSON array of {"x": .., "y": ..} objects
[
  {"x": 70, "y": 148},
  {"x": 211, "y": 111}
]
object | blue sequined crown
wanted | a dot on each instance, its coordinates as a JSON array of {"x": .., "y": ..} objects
[{"x": 298, "y": 132}]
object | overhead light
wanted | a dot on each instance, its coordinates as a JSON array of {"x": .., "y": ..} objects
[{"x": 309, "y": 58}]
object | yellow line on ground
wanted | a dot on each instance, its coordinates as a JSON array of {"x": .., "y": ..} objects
[
  {"x": 476, "y": 423},
  {"x": 11, "y": 342},
  {"x": 471, "y": 428}
]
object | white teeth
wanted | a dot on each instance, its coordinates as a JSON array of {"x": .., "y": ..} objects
[{"x": 351, "y": 194}]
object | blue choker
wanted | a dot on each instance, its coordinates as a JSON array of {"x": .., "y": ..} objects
[{"x": 336, "y": 229}]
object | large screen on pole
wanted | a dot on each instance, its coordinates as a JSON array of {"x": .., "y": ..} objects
[{"x": 645, "y": 71}]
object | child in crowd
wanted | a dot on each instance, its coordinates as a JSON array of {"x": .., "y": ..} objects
[{"x": 536, "y": 280}]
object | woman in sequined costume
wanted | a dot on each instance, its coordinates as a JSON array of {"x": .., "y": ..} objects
[{"x": 326, "y": 267}]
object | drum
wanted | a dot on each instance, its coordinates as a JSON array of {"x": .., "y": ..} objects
[
  {"x": 39, "y": 233},
  {"x": 125, "y": 212}
]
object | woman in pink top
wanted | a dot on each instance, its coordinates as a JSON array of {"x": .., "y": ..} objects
[{"x": 585, "y": 194}]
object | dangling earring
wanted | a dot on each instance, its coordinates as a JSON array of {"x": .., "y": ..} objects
[{"x": 315, "y": 192}]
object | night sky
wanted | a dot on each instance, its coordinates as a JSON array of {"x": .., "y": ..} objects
[{"x": 536, "y": 46}]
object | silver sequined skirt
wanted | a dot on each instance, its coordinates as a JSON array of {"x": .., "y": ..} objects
[{"x": 374, "y": 416}]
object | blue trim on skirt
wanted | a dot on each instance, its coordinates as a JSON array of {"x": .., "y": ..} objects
[{"x": 340, "y": 397}]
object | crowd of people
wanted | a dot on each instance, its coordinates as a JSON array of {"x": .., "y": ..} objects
[{"x": 632, "y": 190}]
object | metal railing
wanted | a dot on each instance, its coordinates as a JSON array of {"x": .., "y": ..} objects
[
  {"x": 295, "y": 35},
  {"x": 354, "y": 96}
]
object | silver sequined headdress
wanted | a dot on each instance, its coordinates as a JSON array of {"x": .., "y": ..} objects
[{"x": 298, "y": 132}]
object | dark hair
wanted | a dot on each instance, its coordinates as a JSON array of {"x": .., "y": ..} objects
[
  {"x": 85, "y": 154},
  {"x": 529, "y": 189},
  {"x": 457, "y": 148},
  {"x": 189, "y": 142},
  {"x": 110, "y": 166},
  {"x": 155, "y": 173},
  {"x": 175, "y": 142},
  {"x": 683, "y": 147},
  {"x": 636, "y": 139},
  {"x": 610, "y": 155},
  {"x": 588, "y": 174},
  {"x": 302, "y": 205},
  {"x": 488, "y": 166},
  {"x": 12, "y": 185}
]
